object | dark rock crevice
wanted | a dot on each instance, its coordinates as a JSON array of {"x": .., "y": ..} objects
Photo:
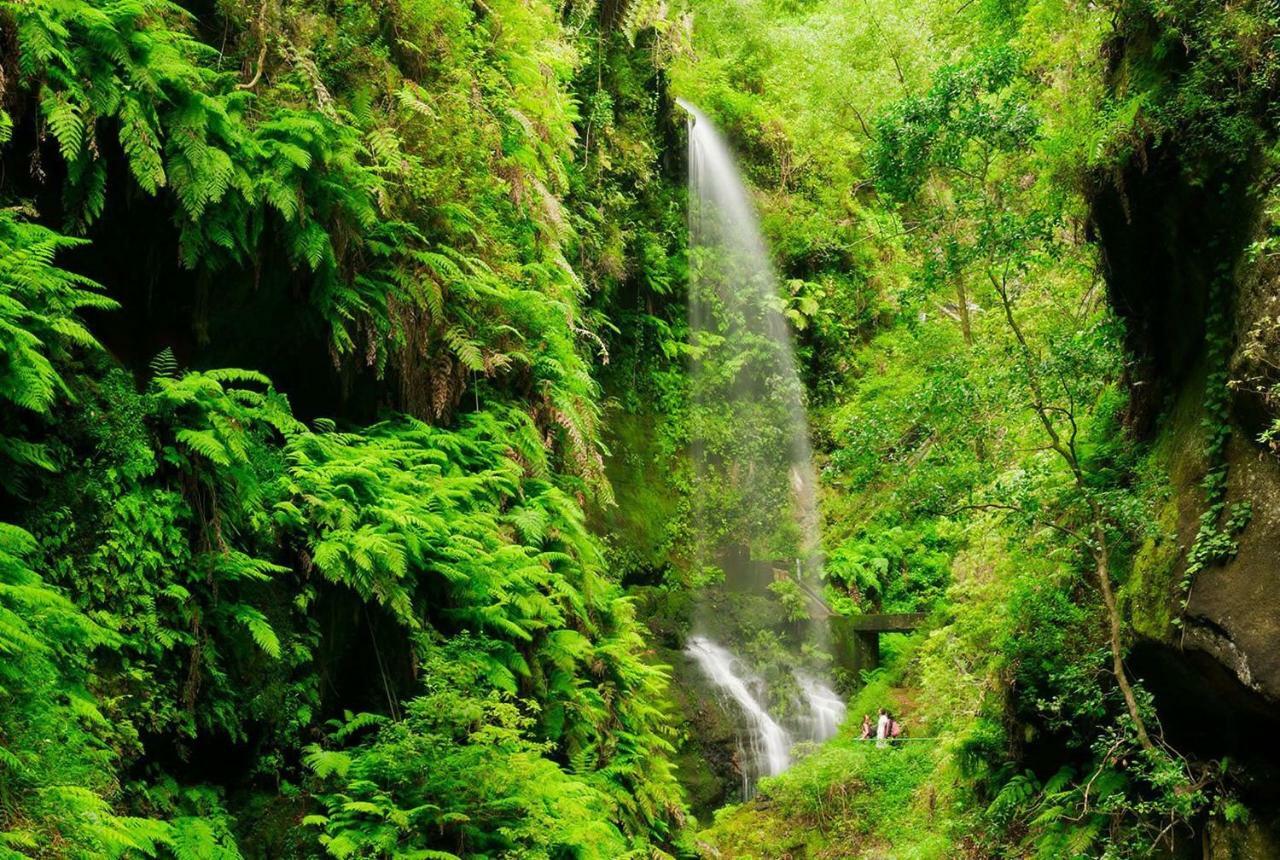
[
  {"x": 1209, "y": 716},
  {"x": 1164, "y": 237}
]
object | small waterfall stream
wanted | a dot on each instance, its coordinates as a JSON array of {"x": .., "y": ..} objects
[
  {"x": 826, "y": 709},
  {"x": 757, "y": 520},
  {"x": 766, "y": 749}
]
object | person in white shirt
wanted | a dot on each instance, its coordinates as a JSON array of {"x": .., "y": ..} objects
[{"x": 882, "y": 728}]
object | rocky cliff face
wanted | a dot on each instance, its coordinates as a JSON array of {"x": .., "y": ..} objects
[
  {"x": 1213, "y": 666},
  {"x": 1234, "y": 611},
  {"x": 1233, "y": 614},
  {"x": 1186, "y": 248},
  {"x": 1184, "y": 222}
]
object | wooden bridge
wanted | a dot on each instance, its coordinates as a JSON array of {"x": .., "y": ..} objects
[{"x": 857, "y": 638}]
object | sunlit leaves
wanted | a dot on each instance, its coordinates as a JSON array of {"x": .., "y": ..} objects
[
  {"x": 971, "y": 111},
  {"x": 40, "y": 329}
]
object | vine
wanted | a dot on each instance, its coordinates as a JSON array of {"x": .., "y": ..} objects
[{"x": 1216, "y": 538}]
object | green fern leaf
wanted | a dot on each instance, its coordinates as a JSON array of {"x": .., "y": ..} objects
[{"x": 261, "y": 631}]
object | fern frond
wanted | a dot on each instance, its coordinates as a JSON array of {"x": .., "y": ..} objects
[{"x": 259, "y": 628}]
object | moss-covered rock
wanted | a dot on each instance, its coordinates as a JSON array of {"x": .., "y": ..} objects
[{"x": 706, "y": 753}]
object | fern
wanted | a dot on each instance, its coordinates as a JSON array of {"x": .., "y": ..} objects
[
  {"x": 327, "y": 762},
  {"x": 51, "y": 789},
  {"x": 230, "y": 160},
  {"x": 165, "y": 364},
  {"x": 40, "y": 331},
  {"x": 38, "y": 308},
  {"x": 197, "y": 838},
  {"x": 353, "y": 725},
  {"x": 418, "y": 221},
  {"x": 402, "y": 509},
  {"x": 67, "y": 124},
  {"x": 263, "y": 635}
]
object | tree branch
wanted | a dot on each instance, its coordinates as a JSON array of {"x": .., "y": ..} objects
[{"x": 1101, "y": 554}]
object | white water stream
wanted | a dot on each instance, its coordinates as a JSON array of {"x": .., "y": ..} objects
[
  {"x": 730, "y": 259},
  {"x": 746, "y": 369},
  {"x": 766, "y": 749},
  {"x": 826, "y": 709}
]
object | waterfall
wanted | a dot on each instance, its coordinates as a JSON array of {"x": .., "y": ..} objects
[
  {"x": 755, "y": 508},
  {"x": 826, "y": 708},
  {"x": 766, "y": 750},
  {"x": 735, "y": 307}
]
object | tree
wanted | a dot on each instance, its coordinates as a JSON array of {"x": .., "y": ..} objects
[{"x": 956, "y": 161}]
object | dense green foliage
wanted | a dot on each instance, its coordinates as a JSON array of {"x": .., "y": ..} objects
[
  {"x": 200, "y": 571},
  {"x": 345, "y": 500},
  {"x": 983, "y": 451}
]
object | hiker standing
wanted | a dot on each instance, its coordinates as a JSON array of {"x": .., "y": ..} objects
[
  {"x": 882, "y": 728},
  {"x": 866, "y": 728}
]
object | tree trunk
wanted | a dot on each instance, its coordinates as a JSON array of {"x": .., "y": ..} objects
[
  {"x": 1117, "y": 649},
  {"x": 1067, "y": 451}
]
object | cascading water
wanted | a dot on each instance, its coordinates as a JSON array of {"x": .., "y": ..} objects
[
  {"x": 742, "y": 345},
  {"x": 755, "y": 513},
  {"x": 766, "y": 748},
  {"x": 826, "y": 708}
]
